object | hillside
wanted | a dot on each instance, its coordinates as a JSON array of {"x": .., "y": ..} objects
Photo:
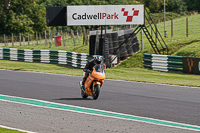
[{"x": 179, "y": 44}]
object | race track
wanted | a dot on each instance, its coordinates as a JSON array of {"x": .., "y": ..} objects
[{"x": 163, "y": 102}]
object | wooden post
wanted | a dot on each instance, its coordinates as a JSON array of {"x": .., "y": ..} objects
[
  {"x": 84, "y": 32},
  {"x": 37, "y": 37},
  {"x": 87, "y": 37},
  {"x": 40, "y": 38},
  {"x": 172, "y": 28},
  {"x": 12, "y": 40},
  {"x": 4, "y": 39},
  {"x": 72, "y": 34},
  {"x": 20, "y": 39},
  {"x": 7, "y": 40},
  {"x": 77, "y": 34},
  {"x": 54, "y": 34},
  {"x": 45, "y": 36},
  {"x": 63, "y": 37},
  {"x": 186, "y": 27},
  {"x": 28, "y": 39}
]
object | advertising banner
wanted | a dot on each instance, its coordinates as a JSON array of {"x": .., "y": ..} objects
[
  {"x": 105, "y": 15},
  {"x": 191, "y": 65}
]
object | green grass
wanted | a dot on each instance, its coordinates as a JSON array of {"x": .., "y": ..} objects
[
  {"x": 39, "y": 67},
  {"x": 3, "y": 130},
  {"x": 190, "y": 50},
  {"x": 78, "y": 48},
  {"x": 69, "y": 46},
  {"x": 131, "y": 74},
  {"x": 145, "y": 75}
]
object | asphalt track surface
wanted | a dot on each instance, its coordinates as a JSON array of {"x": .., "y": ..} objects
[{"x": 165, "y": 102}]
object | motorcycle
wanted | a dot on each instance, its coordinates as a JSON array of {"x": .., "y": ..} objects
[{"x": 93, "y": 82}]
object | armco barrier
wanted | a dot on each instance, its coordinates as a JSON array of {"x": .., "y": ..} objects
[
  {"x": 163, "y": 62},
  {"x": 73, "y": 59}
]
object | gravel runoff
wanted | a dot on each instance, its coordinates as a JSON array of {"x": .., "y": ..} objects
[{"x": 43, "y": 120}]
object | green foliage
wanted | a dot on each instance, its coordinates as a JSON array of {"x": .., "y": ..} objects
[
  {"x": 177, "y": 6},
  {"x": 192, "y": 5},
  {"x": 156, "y": 6},
  {"x": 39, "y": 21},
  {"x": 153, "y": 5},
  {"x": 168, "y": 15},
  {"x": 23, "y": 16}
]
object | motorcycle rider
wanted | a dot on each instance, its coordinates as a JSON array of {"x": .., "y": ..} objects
[{"x": 89, "y": 67}]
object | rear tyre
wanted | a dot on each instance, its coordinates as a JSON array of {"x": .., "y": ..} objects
[
  {"x": 83, "y": 93},
  {"x": 96, "y": 91}
]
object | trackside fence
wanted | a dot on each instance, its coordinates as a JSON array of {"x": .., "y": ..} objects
[
  {"x": 77, "y": 60},
  {"x": 163, "y": 62}
]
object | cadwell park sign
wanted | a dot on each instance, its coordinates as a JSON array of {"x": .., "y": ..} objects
[
  {"x": 105, "y": 15},
  {"x": 95, "y": 15}
]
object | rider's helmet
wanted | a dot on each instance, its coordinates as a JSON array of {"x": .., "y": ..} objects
[{"x": 97, "y": 59}]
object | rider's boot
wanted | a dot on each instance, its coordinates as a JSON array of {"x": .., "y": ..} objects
[{"x": 83, "y": 82}]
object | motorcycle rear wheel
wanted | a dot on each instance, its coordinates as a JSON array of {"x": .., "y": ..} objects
[{"x": 96, "y": 91}]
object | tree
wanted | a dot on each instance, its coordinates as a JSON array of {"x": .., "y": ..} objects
[
  {"x": 153, "y": 5},
  {"x": 39, "y": 17},
  {"x": 192, "y": 5},
  {"x": 177, "y": 6},
  {"x": 23, "y": 16}
]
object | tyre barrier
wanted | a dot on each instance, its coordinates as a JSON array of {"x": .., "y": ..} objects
[
  {"x": 135, "y": 45},
  {"x": 77, "y": 60},
  {"x": 129, "y": 45},
  {"x": 167, "y": 63},
  {"x": 115, "y": 43},
  {"x": 110, "y": 41},
  {"x": 163, "y": 62},
  {"x": 116, "y": 38},
  {"x": 123, "y": 52}
]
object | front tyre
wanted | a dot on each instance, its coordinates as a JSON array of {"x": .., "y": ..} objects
[
  {"x": 83, "y": 94},
  {"x": 96, "y": 91}
]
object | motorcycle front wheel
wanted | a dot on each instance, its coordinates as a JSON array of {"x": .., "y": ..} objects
[
  {"x": 83, "y": 93},
  {"x": 96, "y": 91}
]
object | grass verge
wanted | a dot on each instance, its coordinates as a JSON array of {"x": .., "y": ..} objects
[
  {"x": 131, "y": 74},
  {"x": 192, "y": 50},
  {"x": 3, "y": 130}
]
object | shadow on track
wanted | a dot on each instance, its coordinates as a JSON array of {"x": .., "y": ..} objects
[{"x": 73, "y": 99}]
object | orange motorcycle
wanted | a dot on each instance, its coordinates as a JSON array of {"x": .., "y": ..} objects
[{"x": 93, "y": 82}]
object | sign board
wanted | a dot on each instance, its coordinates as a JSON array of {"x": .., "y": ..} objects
[
  {"x": 114, "y": 59},
  {"x": 56, "y": 16},
  {"x": 105, "y": 15},
  {"x": 191, "y": 65}
]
